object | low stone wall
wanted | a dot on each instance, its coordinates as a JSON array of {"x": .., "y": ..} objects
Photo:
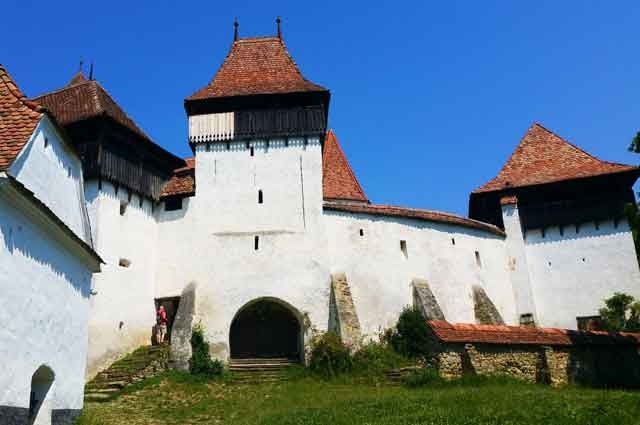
[{"x": 583, "y": 364}]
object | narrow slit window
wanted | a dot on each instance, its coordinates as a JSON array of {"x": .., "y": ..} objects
[
  {"x": 403, "y": 248},
  {"x": 123, "y": 207},
  {"x": 478, "y": 259},
  {"x": 251, "y": 152},
  {"x": 361, "y": 232},
  {"x": 256, "y": 243},
  {"x": 46, "y": 142},
  {"x": 260, "y": 197},
  {"x": 453, "y": 241}
]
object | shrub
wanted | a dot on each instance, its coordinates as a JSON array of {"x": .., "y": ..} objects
[
  {"x": 410, "y": 336},
  {"x": 329, "y": 356},
  {"x": 376, "y": 357},
  {"x": 422, "y": 376},
  {"x": 201, "y": 363}
]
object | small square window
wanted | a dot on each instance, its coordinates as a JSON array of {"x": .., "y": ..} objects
[
  {"x": 124, "y": 263},
  {"x": 173, "y": 204}
]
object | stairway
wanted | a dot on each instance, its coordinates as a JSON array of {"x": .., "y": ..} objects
[
  {"x": 144, "y": 362},
  {"x": 254, "y": 371}
]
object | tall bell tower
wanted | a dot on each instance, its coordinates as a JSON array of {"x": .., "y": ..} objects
[{"x": 257, "y": 131}]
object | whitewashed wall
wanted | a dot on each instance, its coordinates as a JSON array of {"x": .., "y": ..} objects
[
  {"x": 572, "y": 274},
  {"x": 122, "y": 310},
  {"x": 43, "y": 309},
  {"x": 53, "y": 172},
  {"x": 211, "y": 240},
  {"x": 380, "y": 275}
]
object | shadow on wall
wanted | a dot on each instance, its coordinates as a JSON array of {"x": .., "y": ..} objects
[{"x": 24, "y": 241}]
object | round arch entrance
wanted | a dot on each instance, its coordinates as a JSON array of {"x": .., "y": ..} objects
[{"x": 266, "y": 328}]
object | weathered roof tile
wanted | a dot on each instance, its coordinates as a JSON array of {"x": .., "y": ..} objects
[
  {"x": 544, "y": 157},
  {"x": 18, "y": 119},
  {"x": 260, "y": 65}
]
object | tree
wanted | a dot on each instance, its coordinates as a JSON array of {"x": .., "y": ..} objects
[
  {"x": 631, "y": 210},
  {"x": 635, "y": 143},
  {"x": 621, "y": 314}
]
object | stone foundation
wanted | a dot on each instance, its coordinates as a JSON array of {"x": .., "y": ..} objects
[{"x": 556, "y": 366}]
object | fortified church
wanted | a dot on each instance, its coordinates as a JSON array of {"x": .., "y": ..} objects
[{"x": 265, "y": 234}]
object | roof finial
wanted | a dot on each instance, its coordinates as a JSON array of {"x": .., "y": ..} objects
[
  {"x": 81, "y": 64},
  {"x": 278, "y": 21},
  {"x": 91, "y": 71},
  {"x": 235, "y": 29}
]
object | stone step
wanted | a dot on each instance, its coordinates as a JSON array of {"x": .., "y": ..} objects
[
  {"x": 262, "y": 360},
  {"x": 102, "y": 391},
  {"x": 106, "y": 384},
  {"x": 258, "y": 367}
]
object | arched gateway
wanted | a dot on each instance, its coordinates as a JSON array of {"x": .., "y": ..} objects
[{"x": 266, "y": 328}]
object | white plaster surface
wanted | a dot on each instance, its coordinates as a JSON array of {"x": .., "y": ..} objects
[
  {"x": 380, "y": 275},
  {"x": 122, "y": 309},
  {"x": 211, "y": 240},
  {"x": 573, "y": 273},
  {"x": 54, "y": 174},
  {"x": 43, "y": 309}
]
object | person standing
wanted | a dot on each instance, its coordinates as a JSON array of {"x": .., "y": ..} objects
[{"x": 161, "y": 322}]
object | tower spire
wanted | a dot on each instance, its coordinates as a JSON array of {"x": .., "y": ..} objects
[
  {"x": 278, "y": 21},
  {"x": 91, "y": 71},
  {"x": 235, "y": 29}
]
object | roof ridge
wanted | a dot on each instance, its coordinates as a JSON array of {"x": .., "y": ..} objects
[{"x": 56, "y": 91}]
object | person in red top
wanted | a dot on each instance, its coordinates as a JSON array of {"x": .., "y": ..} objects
[{"x": 161, "y": 321}]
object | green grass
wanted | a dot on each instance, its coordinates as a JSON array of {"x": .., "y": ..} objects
[{"x": 176, "y": 398}]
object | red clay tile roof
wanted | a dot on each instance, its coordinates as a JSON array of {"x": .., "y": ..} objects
[
  {"x": 256, "y": 66},
  {"x": 544, "y": 157},
  {"x": 338, "y": 180},
  {"x": 183, "y": 182},
  {"x": 18, "y": 119},
  {"x": 82, "y": 99},
  {"x": 523, "y": 335},
  {"x": 426, "y": 215}
]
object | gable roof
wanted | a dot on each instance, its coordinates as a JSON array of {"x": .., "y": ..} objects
[
  {"x": 183, "y": 181},
  {"x": 18, "y": 119},
  {"x": 260, "y": 65},
  {"x": 338, "y": 180},
  {"x": 544, "y": 157},
  {"x": 523, "y": 335},
  {"x": 82, "y": 99}
]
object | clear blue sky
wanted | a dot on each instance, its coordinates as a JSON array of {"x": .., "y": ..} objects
[{"x": 428, "y": 98}]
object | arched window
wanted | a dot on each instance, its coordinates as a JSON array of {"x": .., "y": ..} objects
[{"x": 40, "y": 398}]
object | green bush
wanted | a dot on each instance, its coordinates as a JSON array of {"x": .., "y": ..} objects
[
  {"x": 376, "y": 357},
  {"x": 201, "y": 363},
  {"x": 410, "y": 336},
  {"x": 422, "y": 376},
  {"x": 329, "y": 356}
]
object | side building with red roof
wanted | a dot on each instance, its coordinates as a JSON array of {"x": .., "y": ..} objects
[{"x": 47, "y": 259}]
